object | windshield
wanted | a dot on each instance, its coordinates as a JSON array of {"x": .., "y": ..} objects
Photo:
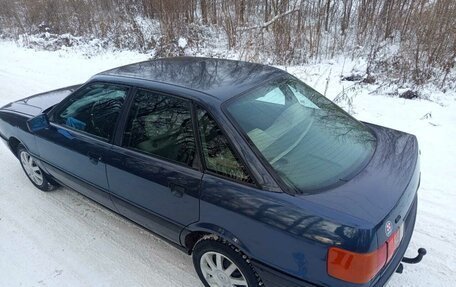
[{"x": 309, "y": 142}]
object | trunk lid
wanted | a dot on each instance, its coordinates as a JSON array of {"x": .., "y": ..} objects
[{"x": 381, "y": 195}]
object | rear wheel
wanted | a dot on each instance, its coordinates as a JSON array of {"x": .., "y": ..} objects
[
  {"x": 33, "y": 171},
  {"x": 220, "y": 264}
]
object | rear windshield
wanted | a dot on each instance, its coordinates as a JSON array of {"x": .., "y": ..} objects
[{"x": 308, "y": 141}]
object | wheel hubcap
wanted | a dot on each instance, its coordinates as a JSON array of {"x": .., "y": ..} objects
[
  {"x": 31, "y": 168},
  {"x": 219, "y": 271}
]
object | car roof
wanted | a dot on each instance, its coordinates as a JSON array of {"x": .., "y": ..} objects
[{"x": 219, "y": 78}]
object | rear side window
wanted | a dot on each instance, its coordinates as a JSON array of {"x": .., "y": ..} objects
[
  {"x": 161, "y": 125},
  {"x": 94, "y": 110},
  {"x": 218, "y": 155}
]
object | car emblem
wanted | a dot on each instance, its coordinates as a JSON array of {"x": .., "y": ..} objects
[{"x": 388, "y": 228}]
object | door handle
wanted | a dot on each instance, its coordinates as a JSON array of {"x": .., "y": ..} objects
[
  {"x": 176, "y": 189},
  {"x": 94, "y": 158}
]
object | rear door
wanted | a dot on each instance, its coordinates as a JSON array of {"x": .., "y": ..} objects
[{"x": 154, "y": 172}]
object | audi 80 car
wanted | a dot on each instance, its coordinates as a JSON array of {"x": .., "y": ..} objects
[{"x": 258, "y": 176}]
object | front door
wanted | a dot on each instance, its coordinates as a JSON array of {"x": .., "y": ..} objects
[
  {"x": 74, "y": 148},
  {"x": 154, "y": 174}
]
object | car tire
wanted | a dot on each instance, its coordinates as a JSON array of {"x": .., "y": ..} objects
[
  {"x": 219, "y": 263},
  {"x": 35, "y": 174}
]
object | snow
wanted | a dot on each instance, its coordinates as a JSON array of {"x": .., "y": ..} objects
[
  {"x": 63, "y": 239},
  {"x": 182, "y": 42}
]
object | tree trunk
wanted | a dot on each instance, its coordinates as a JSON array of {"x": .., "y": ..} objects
[
  {"x": 241, "y": 11},
  {"x": 214, "y": 12},
  {"x": 203, "y": 11},
  {"x": 328, "y": 5}
]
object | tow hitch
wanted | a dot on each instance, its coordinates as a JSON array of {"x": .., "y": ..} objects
[{"x": 417, "y": 259}]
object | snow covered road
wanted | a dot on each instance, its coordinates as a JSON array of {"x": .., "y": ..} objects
[{"x": 63, "y": 239}]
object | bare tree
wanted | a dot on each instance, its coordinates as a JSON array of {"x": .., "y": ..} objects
[{"x": 281, "y": 31}]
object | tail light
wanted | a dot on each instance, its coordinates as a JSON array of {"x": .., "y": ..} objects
[
  {"x": 394, "y": 241},
  {"x": 361, "y": 267}
]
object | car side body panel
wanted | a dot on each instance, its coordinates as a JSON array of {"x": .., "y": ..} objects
[
  {"x": 80, "y": 185},
  {"x": 165, "y": 190},
  {"x": 273, "y": 228},
  {"x": 75, "y": 160},
  {"x": 74, "y": 153}
]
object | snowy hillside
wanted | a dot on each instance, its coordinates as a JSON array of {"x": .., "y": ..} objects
[{"x": 63, "y": 239}]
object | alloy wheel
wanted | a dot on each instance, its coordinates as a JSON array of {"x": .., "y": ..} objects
[
  {"x": 31, "y": 168},
  {"x": 220, "y": 271}
]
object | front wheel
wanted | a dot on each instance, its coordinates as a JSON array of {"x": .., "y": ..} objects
[
  {"x": 220, "y": 264},
  {"x": 33, "y": 171}
]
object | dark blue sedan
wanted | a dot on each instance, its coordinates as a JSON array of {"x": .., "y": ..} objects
[{"x": 258, "y": 176}]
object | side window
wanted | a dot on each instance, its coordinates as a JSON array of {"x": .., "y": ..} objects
[
  {"x": 218, "y": 155},
  {"x": 94, "y": 110},
  {"x": 161, "y": 125}
]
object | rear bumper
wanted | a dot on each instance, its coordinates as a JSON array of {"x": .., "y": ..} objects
[{"x": 386, "y": 274}]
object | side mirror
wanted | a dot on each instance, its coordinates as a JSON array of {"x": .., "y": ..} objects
[{"x": 38, "y": 123}]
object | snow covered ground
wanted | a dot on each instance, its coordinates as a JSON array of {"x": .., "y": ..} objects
[{"x": 64, "y": 239}]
